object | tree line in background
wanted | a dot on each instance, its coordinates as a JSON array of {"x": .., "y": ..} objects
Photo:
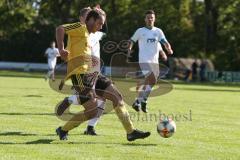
[{"x": 195, "y": 28}]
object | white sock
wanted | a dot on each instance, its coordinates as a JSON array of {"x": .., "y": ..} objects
[
  {"x": 147, "y": 91},
  {"x": 100, "y": 105},
  {"x": 141, "y": 93},
  {"x": 73, "y": 100},
  {"x": 93, "y": 122}
]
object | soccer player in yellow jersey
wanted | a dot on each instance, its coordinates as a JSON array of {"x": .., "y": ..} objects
[{"x": 77, "y": 56}]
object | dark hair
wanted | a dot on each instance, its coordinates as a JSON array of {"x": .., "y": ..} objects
[
  {"x": 84, "y": 11},
  {"x": 149, "y": 12},
  {"x": 96, "y": 15}
]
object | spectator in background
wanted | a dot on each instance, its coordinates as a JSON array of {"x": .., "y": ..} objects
[
  {"x": 194, "y": 70},
  {"x": 188, "y": 75},
  {"x": 51, "y": 53},
  {"x": 202, "y": 71}
]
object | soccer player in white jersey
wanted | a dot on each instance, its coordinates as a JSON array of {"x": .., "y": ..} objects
[
  {"x": 148, "y": 38},
  {"x": 51, "y": 53}
]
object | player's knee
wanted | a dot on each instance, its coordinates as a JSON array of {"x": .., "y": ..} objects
[
  {"x": 153, "y": 82},
  {"x": 91, "y": 113},
  {"x": 118, "y": 101},
  {"x": 91, "y": 110},
  {"x": 151, "y": 79}
]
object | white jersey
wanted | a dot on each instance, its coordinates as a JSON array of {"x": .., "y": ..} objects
[
  {"x": 94, "y": 39},
  {"x": 52, "y": 54},
  {"x": 148, "y": 43}
]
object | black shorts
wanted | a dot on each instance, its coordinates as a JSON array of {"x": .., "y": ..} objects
[
  {"x": 83, "y": 85},
  {"x": 102, "y": 83}
]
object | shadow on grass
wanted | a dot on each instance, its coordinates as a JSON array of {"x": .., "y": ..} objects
[
  {"x": 32, "y": 96},
  {"x": 108, "y": 143},
  {"x": 38, "y": 114},
  {"x": 58, "y": 142},
  {"x": 138, "y": 144},
  {"x": 29, "y": 134},
  {"x": 16, "y": 134},
  {"x": 40, "y": 141}
]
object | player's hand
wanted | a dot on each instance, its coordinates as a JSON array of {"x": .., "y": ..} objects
[
  {"x": 170, "y": 51},
  {"x": 129, "y": 53},
  {"x": 64, "y": 54},
  {"x": 97, "y": 6},
  {"x": 163, "y": 56}
]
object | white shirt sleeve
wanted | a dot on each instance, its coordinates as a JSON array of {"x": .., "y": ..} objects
[
  {"x": 102, "y": 34},
  {"x": 159, "y": 46},
  {"x": 47, "y": 51},
  {"x": 162, "y": 37},
  {"x": 57, "y": 52},
  {"x": 136, "y": 36}
]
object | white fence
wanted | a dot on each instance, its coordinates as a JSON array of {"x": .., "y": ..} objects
[{"x": 23, "y": 66}]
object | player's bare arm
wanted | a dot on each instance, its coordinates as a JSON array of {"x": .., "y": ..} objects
[
  {"x": 163, "y": 55},
  {"x": 131, "y": 43},
  {"x": 60, "y": 37},
  {"x": 168, "y": 48}
]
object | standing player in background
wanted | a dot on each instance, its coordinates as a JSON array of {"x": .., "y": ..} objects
[
  {"x": 51, "y": 53},
  {"x": 148, "y": 38},
  {"x": 84, "y": 83}
]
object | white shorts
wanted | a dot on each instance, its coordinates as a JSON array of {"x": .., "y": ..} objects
[
  {"x": 52, "y": 63},
  {"x": 148, "y": 68}
]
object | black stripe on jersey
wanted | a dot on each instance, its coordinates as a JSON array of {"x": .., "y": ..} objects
[{"x": 73, "y": 26}]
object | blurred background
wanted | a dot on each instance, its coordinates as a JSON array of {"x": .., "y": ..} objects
[{"x": 197, "y": 29}]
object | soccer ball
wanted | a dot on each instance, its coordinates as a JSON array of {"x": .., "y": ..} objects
[{"x": 166, "y": 127}]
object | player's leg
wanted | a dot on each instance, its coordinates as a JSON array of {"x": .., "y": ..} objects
[
  {"x": 90, "y": 130},
  {"x": 111, "y": 93},
  {"x": 101, "y": 84},
  {"x": 87, "y": 98},
  {"x": 151, "y": 72},
  {"x": 63, "y": 107},
  {"x": 50, "y": 69},
  {"x": 75, "y": 120},
  {"x": 150, "y": 81},
  {"x": 54, "y": 62}
]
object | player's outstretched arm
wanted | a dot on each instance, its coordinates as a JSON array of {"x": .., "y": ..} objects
[
  {"x": 59, "y": 38},
  {"x": 130, "y": 47},
  {"x": 163, "y": 55},
  {"x": 168, "y": 48}
]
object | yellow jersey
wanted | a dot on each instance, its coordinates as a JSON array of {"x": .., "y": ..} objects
[{"x": 79, "y": 58}]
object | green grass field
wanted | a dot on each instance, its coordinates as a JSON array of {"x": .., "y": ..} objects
[{"x": 211, "y": 131}]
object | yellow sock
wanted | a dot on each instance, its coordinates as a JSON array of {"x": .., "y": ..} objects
[{"x": 124, "y": 117}]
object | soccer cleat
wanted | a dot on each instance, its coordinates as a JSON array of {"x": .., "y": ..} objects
[
  {"x": 136, "y": 105},
  {"x": 90, "y": 131},
  {"x": 144, "y": 106},
  {"x": 62, "y": 134},
  {"x": 62, "y": 106},
  {"x": 136, "y": 134}
]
